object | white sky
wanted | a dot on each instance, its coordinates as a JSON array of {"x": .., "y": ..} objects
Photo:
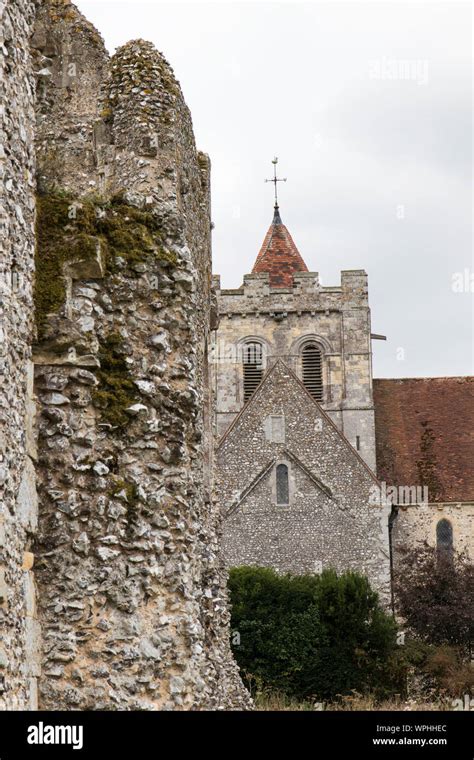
[{"x": 313, "y": 83}]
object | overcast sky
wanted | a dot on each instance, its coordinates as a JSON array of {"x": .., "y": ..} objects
[{"x": 369, "y": 108}]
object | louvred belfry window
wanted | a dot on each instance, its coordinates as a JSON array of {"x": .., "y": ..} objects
[
  {"x": 312, "y": 365},
  {"x": 252, "y": 358}
]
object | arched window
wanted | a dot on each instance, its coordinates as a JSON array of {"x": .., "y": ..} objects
[
  {"x": 282, "y": 485},
  {"x": 444, "y": 536},
  {"x": 312, "y": 370},
  {"x": 252, "y": 359}
]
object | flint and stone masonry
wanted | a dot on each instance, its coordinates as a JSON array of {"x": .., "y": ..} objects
[
  {"x": 19, "y": 664},
  {"x": 415, "y": 434},
  {"x": 282, "y": 319},
  {"x": 119, "y": 364},
  {"x": 331, "y": 517},
  {"x": 131, "y": 606}
]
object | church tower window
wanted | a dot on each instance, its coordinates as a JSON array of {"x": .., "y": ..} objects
[
  {"x": 252, "y": 359},
  {"x": 312, "y": 370},
  {"x": 282, "y": 485},
  {"x": 444, "y": 536}
]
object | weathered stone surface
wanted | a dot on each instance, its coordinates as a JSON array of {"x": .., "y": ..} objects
[
  {"x": 331, "y": 517},
  {"x": 127, "y": 557},
  {"x": 17, "y": 188},
  {"x": 126, "y": 607},
  {"x": 336, "y": 318}
]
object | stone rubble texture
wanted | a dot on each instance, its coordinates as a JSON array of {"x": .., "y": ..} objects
[
  {"x": 282, "y": 318},
  {"x": 130, "y": 585},
  {"x": 112, "y": 585},
  {"x": 18, "y": 643},
  {"x": 410, "y": 433},
  {"x": 333, "y": 517}
]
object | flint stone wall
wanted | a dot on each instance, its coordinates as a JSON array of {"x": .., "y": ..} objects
[
  {"x": 19, "y": 665},
  {"x": 332, "y": 519},
  {"x": 338, "y": 318},
  {"x": 131, "y": 587}
]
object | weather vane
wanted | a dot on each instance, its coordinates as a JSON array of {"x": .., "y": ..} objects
[{"x": 275, "y": 179}]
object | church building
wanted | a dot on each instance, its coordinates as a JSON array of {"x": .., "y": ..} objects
[{"x": 304, "y": 430}]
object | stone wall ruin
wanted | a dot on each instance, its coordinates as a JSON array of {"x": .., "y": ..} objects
[{"x": 131, "y": 590}]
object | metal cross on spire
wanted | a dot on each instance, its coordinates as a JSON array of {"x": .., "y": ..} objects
[{"x": 275, "y": 179}]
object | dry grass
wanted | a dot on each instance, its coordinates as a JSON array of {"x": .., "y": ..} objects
[{"x": 275, "y": 702}]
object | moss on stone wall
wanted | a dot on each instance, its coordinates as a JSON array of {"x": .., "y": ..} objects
[
  {"x": 65, "y": 11},
  {"x": 116, "y": 390},
  {"x": 59, "y": 236},
  {"x": 61, "y": 10},
  {"x": 130, "y": 233},
  {"x": 69, "y": 228},
  {"x": 129, "y": 493}
]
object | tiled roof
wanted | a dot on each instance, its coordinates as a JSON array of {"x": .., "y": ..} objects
[
  {"x": 424, "y": 431},
  {"x": 279, "y": 255}
]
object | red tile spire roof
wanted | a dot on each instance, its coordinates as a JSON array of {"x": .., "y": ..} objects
[{"x": 279, "y": 255}]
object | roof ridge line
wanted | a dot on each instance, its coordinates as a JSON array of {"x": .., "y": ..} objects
[
  {"x": 239, "y": 414},
  {"x": 331, "y": 422},
  {"x": 323, "y": 412},
  {"x": 249, "y": 488}
]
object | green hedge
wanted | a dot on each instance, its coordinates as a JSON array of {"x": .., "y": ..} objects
[{"x": 311, "y": 636}]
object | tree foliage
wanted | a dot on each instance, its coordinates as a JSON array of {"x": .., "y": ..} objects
[
  {"x": 434, "y": 591},
  {"x": 312, "y": 635}
]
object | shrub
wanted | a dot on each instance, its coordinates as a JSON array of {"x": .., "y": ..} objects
[
  {"x": 311, "y": 636},
  {"x": 435, "y": 595},
  {"x": 454, "y": 676}
]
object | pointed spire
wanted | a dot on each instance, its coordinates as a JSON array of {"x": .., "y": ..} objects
[{"x": 279, "y": 255}]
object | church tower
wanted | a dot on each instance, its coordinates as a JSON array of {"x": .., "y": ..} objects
[{"x": 322, "y": 333}]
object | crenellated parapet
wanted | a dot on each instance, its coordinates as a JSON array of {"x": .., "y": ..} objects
[{"x": 282, "y": 309}]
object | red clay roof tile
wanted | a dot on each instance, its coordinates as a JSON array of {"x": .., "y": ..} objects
[
  {"x": 279, "y": 255},
  {"x": 424, "y": 431}
]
